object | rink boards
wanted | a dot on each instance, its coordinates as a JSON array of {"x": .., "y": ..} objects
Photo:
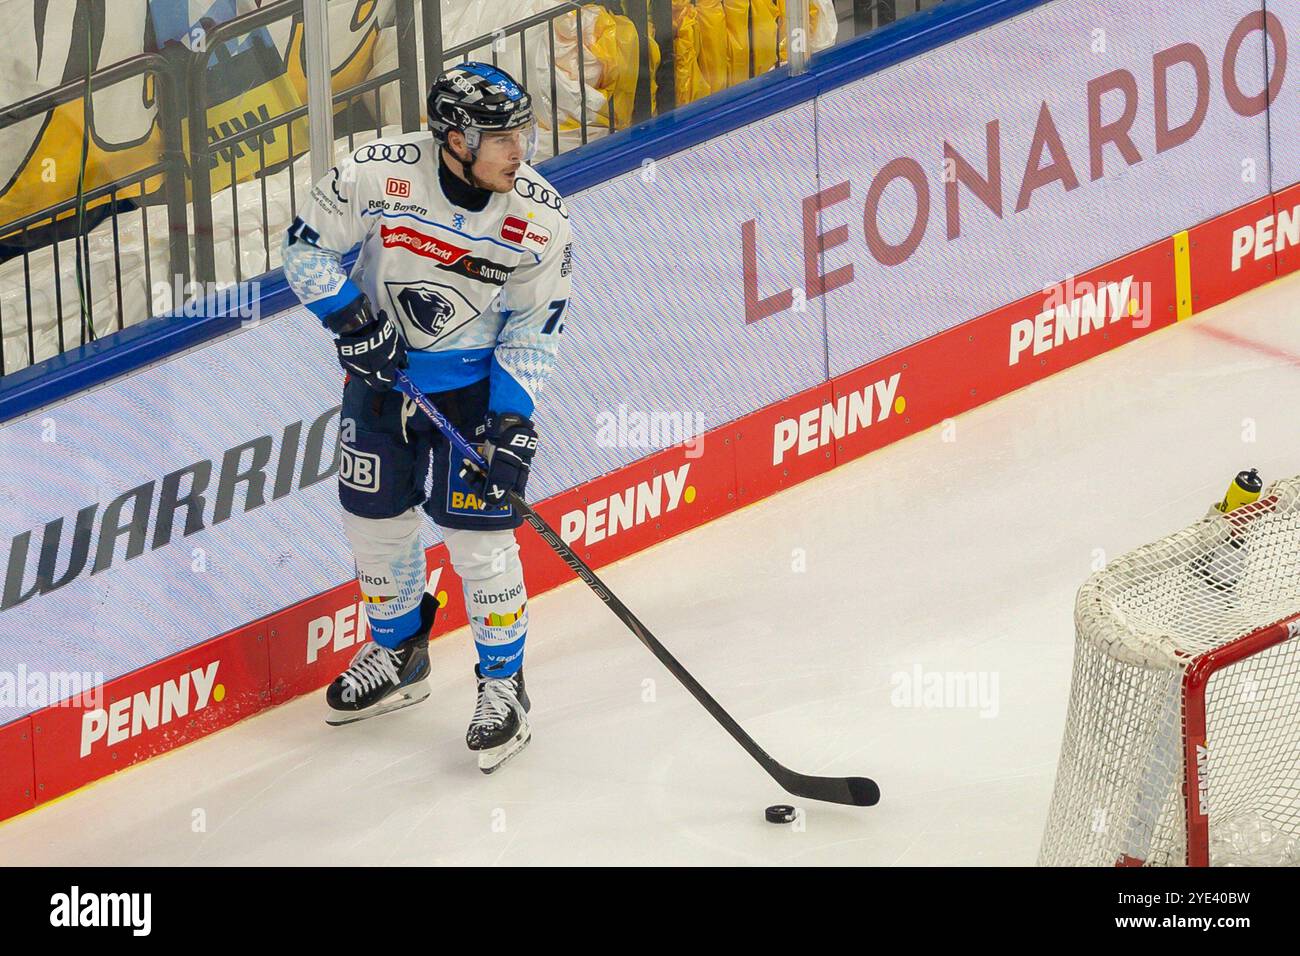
[
  {"x": 301, "y": 648},
  {"x": 769, "y": 320}
]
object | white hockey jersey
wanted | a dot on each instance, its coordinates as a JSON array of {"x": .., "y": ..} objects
[{"x": 475, "y": 294}]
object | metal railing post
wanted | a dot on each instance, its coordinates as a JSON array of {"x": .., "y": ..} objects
[
  {"x": 661, "y": 15},
  {"x": 431, "y": 22},
  {"x": 869, "y": 14},
  {"x": 410, "y": 93},
  {"x": 170, "y": 112},
  {"x": 205, "y": 265},
  {"x": 797, "y": 35},
  {"x": 320, "y": 101},
  {"x": 638, "y": 11}
]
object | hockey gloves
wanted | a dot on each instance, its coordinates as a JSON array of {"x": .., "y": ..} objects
[
  {"x": 509, "y": 446},
  {"x": 370, "y": 348}
]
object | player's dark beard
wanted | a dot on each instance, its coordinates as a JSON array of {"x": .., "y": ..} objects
[
  {"x": 467, "y": 167},
  {"x": 464, "y": 189},
  {"x": 469, "y": 173}
]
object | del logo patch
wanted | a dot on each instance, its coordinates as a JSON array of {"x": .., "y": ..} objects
[
  {"x": 524, "y": 233},
  {"x": 513, "y": 229}
]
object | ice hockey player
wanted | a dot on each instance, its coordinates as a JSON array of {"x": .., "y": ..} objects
[{"x": 462, "y": 278}]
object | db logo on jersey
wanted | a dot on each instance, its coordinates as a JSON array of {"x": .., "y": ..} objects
[
  {"x": 358, "y": 469},
  {"x": 398, "y": 187}
]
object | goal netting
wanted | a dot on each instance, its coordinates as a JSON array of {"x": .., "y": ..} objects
[{"x": 1182, "y": 741}]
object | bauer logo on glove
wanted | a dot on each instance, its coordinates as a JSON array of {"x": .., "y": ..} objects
[
  {"x": 510, "y": 441},
  {"x": 369, "y": 346}
]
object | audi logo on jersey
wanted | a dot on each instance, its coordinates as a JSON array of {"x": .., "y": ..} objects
[
  {"x": 406, "y": 153},
  {"x": 535, "y": 191}
]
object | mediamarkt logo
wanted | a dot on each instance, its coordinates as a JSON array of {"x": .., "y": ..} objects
[
  {"x": 152, "y": 708},
  {"x": 820, "y": 426},
  {"x": 428, "y": 246},
  {"x": 1070, "y": 311},
  {"x": 606, "y": 517}
]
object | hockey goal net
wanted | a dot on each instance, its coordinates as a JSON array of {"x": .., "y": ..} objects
[{"x": 1182, "y": 741}]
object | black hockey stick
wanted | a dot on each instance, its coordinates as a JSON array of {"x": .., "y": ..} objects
[{"x": 854, "y": 791}]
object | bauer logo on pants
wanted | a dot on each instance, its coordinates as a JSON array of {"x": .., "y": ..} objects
[
  {"x": 463, "y": 498},
  {"x": 359, "y": 470}
]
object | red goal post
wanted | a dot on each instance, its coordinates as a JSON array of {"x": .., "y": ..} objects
[{"x": 1183, "y": 729}]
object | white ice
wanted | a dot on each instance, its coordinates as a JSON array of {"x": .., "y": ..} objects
[{"x": 948, "y": 556}]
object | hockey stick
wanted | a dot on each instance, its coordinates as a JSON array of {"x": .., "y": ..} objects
[{"x": 854, "y": 791}]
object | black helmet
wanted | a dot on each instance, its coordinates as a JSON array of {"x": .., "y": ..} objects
[{"x": 476, "y": 98}]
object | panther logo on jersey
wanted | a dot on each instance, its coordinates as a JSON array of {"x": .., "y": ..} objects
[
  {"x": 425, "y": 308},
  {"x": 428, "y": 308}
]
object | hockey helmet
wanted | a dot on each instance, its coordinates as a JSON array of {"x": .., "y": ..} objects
[{"x": 478, "y": 98}]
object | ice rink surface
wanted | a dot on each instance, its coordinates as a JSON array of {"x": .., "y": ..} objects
[{"x": 931, "y": 558}]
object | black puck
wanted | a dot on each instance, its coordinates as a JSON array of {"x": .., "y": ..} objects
[{"x": 780, "y": 813}]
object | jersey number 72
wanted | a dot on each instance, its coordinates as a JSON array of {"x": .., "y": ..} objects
[{"x": 557, "y": 309}]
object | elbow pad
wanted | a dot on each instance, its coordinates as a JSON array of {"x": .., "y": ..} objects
[{"x": 351, "y": 318}]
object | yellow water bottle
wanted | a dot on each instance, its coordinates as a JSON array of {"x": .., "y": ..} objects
[{"x": 1244, "y": 490}]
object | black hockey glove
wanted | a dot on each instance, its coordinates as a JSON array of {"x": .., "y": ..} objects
[
  {"x": 509, "y": 446},
  {"x": 370, "y": 348}
]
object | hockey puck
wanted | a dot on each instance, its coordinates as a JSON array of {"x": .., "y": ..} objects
[{"x": 780, "y": 813}]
